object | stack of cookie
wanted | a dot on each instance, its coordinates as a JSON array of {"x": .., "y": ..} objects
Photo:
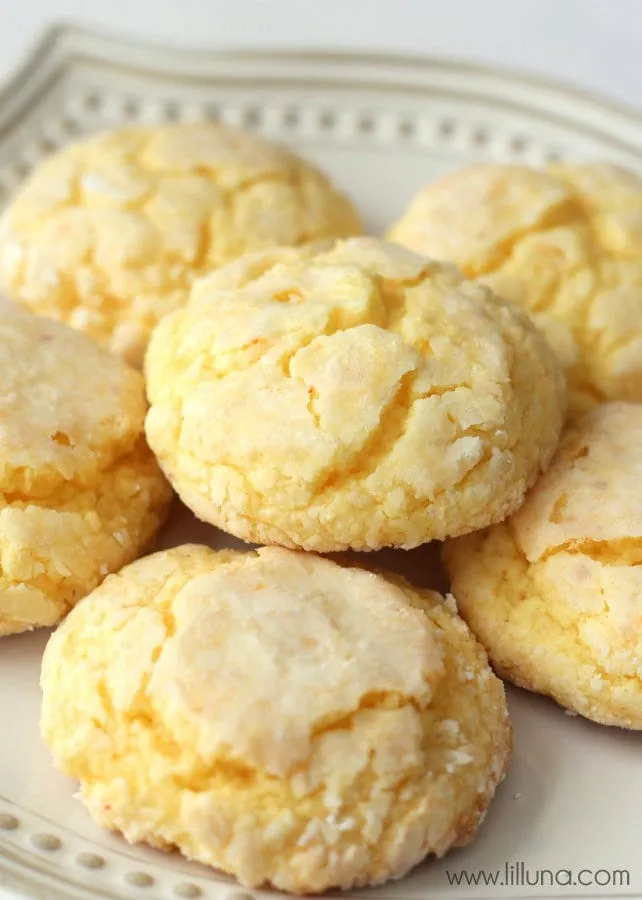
[{"x": 292, "y": 720}]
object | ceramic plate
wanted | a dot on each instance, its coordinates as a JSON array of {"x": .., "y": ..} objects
[{"x": 567, "y": 822}]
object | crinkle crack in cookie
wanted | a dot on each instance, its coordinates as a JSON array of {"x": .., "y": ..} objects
[
  {"x": 565, "y": 243},
  {"x": 108, "y": 235},
  {"x": 555, "y": 592},
  {"x": 357, "y": 398},
  {"x": 277, "y": 716},
  {"x": 80, "y": 491}
]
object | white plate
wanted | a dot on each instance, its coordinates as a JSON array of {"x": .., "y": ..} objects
[{"x": 381, "y": 127}]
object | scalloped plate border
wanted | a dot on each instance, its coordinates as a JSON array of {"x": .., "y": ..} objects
[
  {"x": 62, "y": 45},
  {"x": 63, "y": 50}
]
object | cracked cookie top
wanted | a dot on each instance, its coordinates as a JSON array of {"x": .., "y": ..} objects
[
  {"x": 67, "y": 410},
  {"x": 358, "y": 397},
  {"x": 276, "y": 715},
  {"x": 554, "y": 593},
  {"x": 564, "y": 243},
  {"x": 108, "y": 235},
  {"x": 80, "y": 492}
]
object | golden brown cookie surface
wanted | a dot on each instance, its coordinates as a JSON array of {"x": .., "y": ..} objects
[
  {"x": 80, "y": 492},
  {"x": 565, "y": 244},
  {"x": 359, "y": 397},
  {"x": 555, "y": 592},
  {"x": 277, "y": 716},
  {"x": 109, "y": 234}
]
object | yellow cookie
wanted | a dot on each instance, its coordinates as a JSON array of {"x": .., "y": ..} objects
[
  {"x": 566, "y": 244},
  {"x": 80, "y": 492},
  {"x": 555, "y": 592},
  {"x": 277, "y": 716},
  {"x": 109, "y": 234},
  {"x": 358, "y": 398}
]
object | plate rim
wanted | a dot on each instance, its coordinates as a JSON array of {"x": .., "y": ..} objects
[
  {"x": 74, "y": 32},
  {"x": 60, "y": 44}
]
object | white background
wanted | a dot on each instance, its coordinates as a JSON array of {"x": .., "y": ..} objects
[{"x": 593, "y": 43}]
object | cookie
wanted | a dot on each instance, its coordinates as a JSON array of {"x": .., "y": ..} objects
[
  {"x": 277, "y": 716},
  {"x": 357, "y": 398},
  {"x": 555, "y": 592},
  {"x": 108, "y": 235},
  {"x": 80, "y": 492},
  {"x": 565, "y": 244}
]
